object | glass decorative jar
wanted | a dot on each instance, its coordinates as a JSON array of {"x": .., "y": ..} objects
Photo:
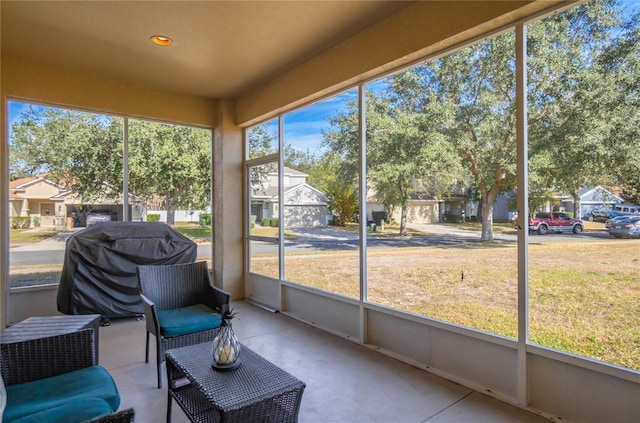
[{"x": 226, "y": 348}]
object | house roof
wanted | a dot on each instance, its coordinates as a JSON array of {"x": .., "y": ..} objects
[
  {"x": 610, "y": 195},
  {"x": 271, "y": 193},
  {"x": 19, "y": 186},
  {"x": 423, "y": 196}
]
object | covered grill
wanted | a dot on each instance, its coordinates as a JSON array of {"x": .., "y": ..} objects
[{"x": 99, "y": 270}]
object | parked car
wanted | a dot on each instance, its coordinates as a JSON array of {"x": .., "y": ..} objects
[
  {"x": 627, "y": 209},
  {"x": 629, "y": 228},
  {"x": 554, "y": 222},
  {"x": 600, "y": 215},
  {"x": 609, "y": 223},
  {"x": 95, "y": 216}
]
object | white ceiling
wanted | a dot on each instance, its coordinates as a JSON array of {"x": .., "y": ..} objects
[{"x": 220, "y": 50}]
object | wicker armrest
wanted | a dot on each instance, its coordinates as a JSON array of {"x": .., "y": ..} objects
[
  {"x": 35, "y": 359},
  {"x": 153, "y": 325},
  {"x": 217, "y": 298}
]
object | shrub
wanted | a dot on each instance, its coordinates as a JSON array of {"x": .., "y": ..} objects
[
  {"x": 20, "y": 222},
  {"x": 451, "y": 217},
  {"x": 274, "y": 222},
  {"x": 36, "y": 222},
  {"x": 379, "y": 216},
  {"x": 205, "y": 220},
  {"x": 153, "y": 217},
  {"x": 266, "y": 221},
  {"x": 342, "y": 200}
]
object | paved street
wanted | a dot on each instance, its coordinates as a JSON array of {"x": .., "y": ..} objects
[{"x": 51, "y": 251}]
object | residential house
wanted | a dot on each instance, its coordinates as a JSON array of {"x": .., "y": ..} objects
[
  {"x": 304, "y": 205},
  {"x": 425, "y": 207},
  {"x": 591, "y": 199},
  {"x": 54, "y": 205},
  {"x": 38, "y": 197}
]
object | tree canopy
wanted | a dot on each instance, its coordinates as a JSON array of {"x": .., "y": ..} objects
[
  {"x": 583, "y": 113},
  {"x": 169, "y": 165}
]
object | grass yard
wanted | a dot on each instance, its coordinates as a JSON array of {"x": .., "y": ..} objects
[
  {"x": 584, "y": 297},
  {"x": 27, "y": 236},
  {"x": 194, "y": 231}
]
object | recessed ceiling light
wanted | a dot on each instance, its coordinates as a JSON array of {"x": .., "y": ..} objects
[{"x": 161, "y": 40}]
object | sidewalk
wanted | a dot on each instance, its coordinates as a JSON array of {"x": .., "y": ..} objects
[{"x": 55, "y": 242}]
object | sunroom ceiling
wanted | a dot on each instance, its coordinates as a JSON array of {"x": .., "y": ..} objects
[{"x": 220, "y": 48}]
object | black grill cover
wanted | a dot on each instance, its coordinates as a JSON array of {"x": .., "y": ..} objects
[{"x": 99, "y": 270}]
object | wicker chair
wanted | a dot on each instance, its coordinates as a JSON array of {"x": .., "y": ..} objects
[
  {"x": 171, "y": 287},
  {"x": 35, "y": 359}
]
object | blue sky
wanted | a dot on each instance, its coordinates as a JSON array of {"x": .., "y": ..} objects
[
  {"x": 15, "y": 108},
  {"x": 303, "y": 128}
]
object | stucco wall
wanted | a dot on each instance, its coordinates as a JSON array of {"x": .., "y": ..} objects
[{"x": 27, "y": 81}]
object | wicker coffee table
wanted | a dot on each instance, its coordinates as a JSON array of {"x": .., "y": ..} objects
[{"x": 257, "y": 391}]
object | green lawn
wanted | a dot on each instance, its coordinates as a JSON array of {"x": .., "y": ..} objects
[
  {"x": 27, "y": 236},
  {"x": 194, "y": 231},
  {"x": 584, "y": 297}
]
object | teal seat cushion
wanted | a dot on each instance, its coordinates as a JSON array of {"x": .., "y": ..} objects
[
  {"x": 185, "y": 320},
  {"x": 25, "y": 399},
  {"x": 70, "y": 412}
]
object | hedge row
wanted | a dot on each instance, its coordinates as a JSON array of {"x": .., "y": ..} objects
[
  {"x": 205, "y": 220},
  {"x": 270, "y": 221},
  {"x": 153, "y": 217}
]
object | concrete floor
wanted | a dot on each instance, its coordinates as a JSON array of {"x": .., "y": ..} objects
[{"x": 345, "y": 382}]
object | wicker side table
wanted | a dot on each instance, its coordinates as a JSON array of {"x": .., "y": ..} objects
[
  {"x": 43, "y": 326},
  {"x": 258, "y": 390}
]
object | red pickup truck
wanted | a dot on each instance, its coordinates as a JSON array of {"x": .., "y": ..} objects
[{"x": 554, "y": 222}]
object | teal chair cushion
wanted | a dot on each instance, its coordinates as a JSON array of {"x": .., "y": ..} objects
[
  {"x": 29, "y": 398},
  {"x": 185, "y": 320},
  {"x": 70, "y": 412}
]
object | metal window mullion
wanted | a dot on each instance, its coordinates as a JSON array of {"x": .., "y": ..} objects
[
  {"x": 247, "y": 223},
  {"x": 125, "y": 171},
  {"x": 280, "y": 207},
  {"x": 362, "y": 135},
  {"x": 523, "y": 212}
]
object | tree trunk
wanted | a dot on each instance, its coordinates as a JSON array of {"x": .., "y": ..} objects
[
  {"x": 576, "y": 206},
  {"x": 487, "y": 202},
  {"x": 487, "y": 222},
  {"x": 171, "y": 212},
  {"x": 403, "y": 220}
]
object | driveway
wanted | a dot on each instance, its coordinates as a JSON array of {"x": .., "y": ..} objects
[{"x": 54, "y": 243}]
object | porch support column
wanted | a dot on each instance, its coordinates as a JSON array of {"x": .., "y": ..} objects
[{"x": 226, "y": 198}]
